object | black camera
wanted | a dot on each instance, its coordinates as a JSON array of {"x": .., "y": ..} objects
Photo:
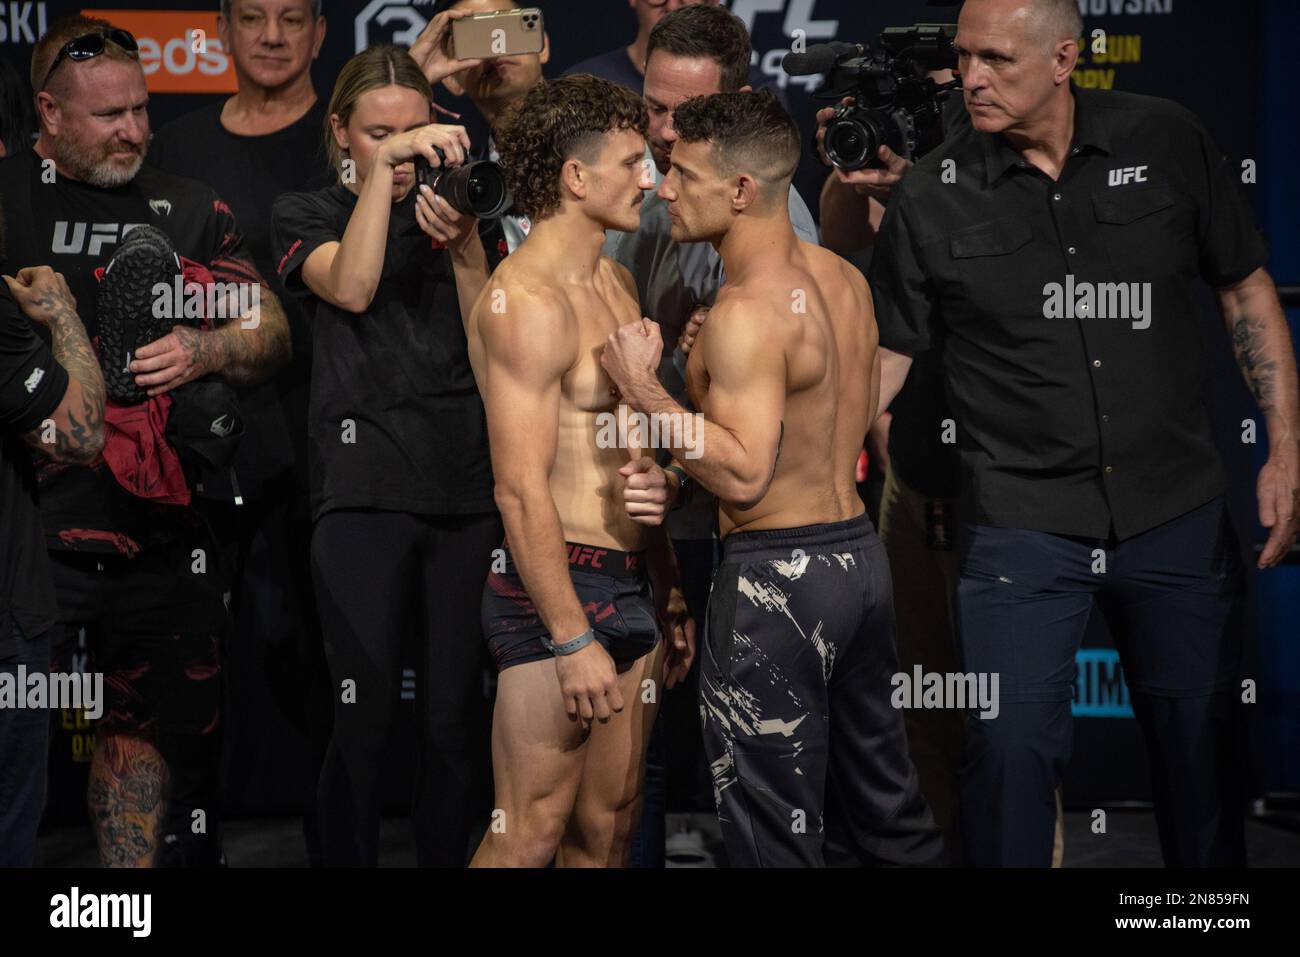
[
  {"x": 895, "y": 102},
  {"x": 474, "y": 189}
]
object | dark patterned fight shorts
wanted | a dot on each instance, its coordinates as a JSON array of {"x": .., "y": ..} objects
[{"x": 615, "y": 594}]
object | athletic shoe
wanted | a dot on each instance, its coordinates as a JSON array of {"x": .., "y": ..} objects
[{"x": 125, "y": 306}]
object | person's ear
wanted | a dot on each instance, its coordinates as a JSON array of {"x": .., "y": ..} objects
[
  {"x": 574, "y": 178},
  {"x": 223, "y": 33},
  {"x": 746, "y": 89},
  {"x": 744, "y": 192},
  {"x": 320, "y": 38},
  {"x": 48, "y": 112},
  {"x": 340, "y": 131},
  {"x": 1064, "y": 58},
  {"x": 545, "y": 55}
]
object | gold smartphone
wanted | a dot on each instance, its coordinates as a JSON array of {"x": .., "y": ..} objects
[{"x": 498, "y": 33}]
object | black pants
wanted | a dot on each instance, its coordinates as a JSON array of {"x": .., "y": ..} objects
[
  {"x": 1172, "y": 598},
  {"x": 278, "y": 706},
  {"x": 381, "y": 576},
  {"x": 795, "y": 689},
  {"x": 155, "y": 624}
]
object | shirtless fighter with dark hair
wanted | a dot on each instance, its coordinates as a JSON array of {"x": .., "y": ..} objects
[
  {"x": 799, "y": 653},
  {"x": 572, "y": 619}
]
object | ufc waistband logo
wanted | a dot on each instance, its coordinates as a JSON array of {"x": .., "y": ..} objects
[
  {"x": 585, "y": 555},
  {"x": 1129, "y": 174}
]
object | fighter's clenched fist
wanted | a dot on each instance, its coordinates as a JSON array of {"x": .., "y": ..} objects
[{"x": 645, "y": 491}]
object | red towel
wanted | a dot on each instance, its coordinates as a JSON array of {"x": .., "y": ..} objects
[{"x": 138, "y": 455}]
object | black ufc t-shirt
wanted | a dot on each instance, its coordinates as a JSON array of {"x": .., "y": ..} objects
[
  {"x": 250, "y": 173},
  {"x": 396, "y": 421},
  {"x": 32, "y": 385},
  {"x": 75, "y": 228}
]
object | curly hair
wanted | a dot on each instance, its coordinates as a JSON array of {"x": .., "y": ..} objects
[
  {"x": 749, "y": 131},
  {"x": 556, "y": 121}
]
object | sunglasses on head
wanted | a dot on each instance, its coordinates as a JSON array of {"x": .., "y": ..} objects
[{"x": 90, "y": 45}]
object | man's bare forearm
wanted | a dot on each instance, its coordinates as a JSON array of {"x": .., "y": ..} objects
[
  {"x": 470, "y": 267},
  {"x": 1261, "y": 343},
  {"x": 712, "y": 455},
  {"x": 252, "y": 349},
  {"x": 894, "y": 367},
  {"x": 849, "y": 221},
  {"x": 82, "y": 438}
]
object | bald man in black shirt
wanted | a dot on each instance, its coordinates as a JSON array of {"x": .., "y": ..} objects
[{"x": 1054, "y": 263}]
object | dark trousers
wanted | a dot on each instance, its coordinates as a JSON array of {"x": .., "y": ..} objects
[
  {"x": 278, "y": 703},
  {"x": 381, "y": 576},
  {"x": 24, "y": 753},
  {"x": 155, "y": 623},
  {"x": 1172, "y": 597},
  {"x": 795, "y": 688}
]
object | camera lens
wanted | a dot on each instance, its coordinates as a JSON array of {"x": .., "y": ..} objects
[
  {"x": 850, "y": 144},
  {"x": 476, "y": 189}
]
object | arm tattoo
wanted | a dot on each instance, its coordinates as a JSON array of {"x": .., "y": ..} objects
[
  {"x": 204, "y": 348},
  {"x": 83, "y": 438},
  {"x": 1260, "y": 371},
  {"x": 127, "y": 800},
  {"x": 248, "y": 356}
]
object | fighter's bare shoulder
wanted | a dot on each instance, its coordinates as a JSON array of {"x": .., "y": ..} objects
[
  {"x": 522, "y": 316},
  {"x": 843, "y": 271},
  {"x": 741, "y": 313}
]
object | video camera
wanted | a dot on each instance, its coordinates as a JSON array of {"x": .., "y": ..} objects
[{"x": 895, "y": 101}]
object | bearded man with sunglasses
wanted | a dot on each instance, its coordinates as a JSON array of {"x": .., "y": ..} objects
[{"x": 132, "y": 562}]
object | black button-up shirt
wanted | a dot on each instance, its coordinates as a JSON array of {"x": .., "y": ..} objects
[{"x": 1076, "y": 413}]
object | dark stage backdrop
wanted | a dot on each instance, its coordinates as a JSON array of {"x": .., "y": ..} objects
[{"x": 1202, "y": 53}]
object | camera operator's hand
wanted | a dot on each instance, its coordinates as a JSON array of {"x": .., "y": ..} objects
[
  {"x": 405, "y": 147},
  {"x": 876, "y": 183},
  {"x": 430, "y": 48},
  {"x": 439, "y": 219}
]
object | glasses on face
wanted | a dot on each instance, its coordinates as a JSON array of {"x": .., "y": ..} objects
[{"x": 90, "y": 45}]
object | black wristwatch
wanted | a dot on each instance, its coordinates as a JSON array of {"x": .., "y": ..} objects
[{"x": 685, "y": 486}]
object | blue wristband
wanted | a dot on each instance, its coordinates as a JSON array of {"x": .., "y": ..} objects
[{"x": 570, "y": 646}]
